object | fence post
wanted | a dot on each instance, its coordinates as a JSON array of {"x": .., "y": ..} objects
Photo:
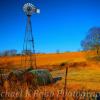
[{"x": 65, "y": 85}]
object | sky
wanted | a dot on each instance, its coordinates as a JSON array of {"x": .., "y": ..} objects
[{"x": 61, "y": 25}]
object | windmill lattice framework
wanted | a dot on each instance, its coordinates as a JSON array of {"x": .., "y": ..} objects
[{"x": 28, "y": 59}]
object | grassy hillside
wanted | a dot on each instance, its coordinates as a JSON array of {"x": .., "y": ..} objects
[
  {"x": 82, "y": 73},
  {"x": 46, "y": 59}
]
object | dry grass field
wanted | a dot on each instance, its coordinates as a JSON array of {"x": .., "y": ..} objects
[
  {"x": 83, "y": 74},
  {"x": 46, "y": 59}
]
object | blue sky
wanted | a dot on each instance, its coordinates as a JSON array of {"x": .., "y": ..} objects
[{"x": 61, "y": 25}]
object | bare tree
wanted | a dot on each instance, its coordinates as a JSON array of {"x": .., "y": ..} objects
[
  {"x": 12, "y": 52},
  {"x": 92, "y": 40}
]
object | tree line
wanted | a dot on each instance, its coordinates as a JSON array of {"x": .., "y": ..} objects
[{"x": 9, "y": 53}]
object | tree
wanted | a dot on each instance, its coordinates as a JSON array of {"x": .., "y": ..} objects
[
  {"x": 12, "y": 52},
  {"x": 26, "y": 52},
  {"x": 57, "y": 52},
  {"x": 5, "y": 53},
  {"x": 92, "y": 40}
]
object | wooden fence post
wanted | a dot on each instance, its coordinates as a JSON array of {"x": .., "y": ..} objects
[{"x": 65, "y": 85}]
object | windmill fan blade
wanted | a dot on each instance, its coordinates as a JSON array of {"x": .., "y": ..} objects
[{"x": 38, "y": 11}]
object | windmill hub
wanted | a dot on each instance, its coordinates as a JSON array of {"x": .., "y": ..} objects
[{"x": 29, "y": 9}]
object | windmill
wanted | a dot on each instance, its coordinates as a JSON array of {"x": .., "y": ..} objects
[{"x": 28, "y": 59}]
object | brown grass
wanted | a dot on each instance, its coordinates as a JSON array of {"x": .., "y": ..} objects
[{"x": 82, "y": 74}]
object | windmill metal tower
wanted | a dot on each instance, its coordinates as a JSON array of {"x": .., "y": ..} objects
[{"x": 28, "y": 59}]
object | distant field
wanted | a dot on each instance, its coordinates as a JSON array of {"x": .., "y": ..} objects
[{"x": 47, "y": 59}]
